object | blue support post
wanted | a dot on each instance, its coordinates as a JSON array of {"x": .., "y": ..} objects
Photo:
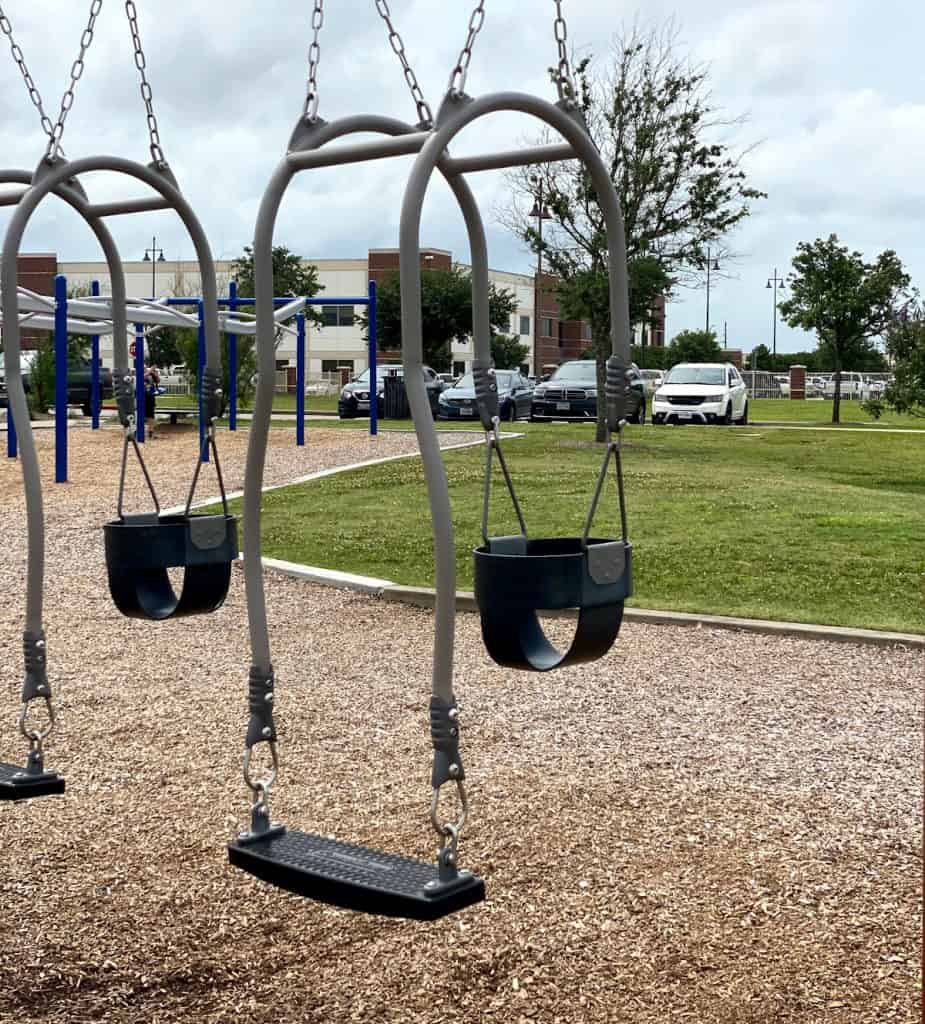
[
  {"x": 60, "y": 379},
  {"x": 300, "y": 381},
  {"x": 95, "y": 370},
  {"x": 373, "y": 383},
  {"x": 140, "y": 383},
  {"x": 203, "y": 448},
  {"x": 11, "y": 445},
  {"x": 232, "y": 362}
]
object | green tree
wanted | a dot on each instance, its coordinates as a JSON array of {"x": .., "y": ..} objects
[
  {"x": 905, "y": 345},
  {"x": 508, "y": 352},
  {"x": 446, "y": 307},
  {"x": 694, "y": 347},
  {"x": 650, "y": 114},
  {"x": 652, "y": 357},
  {"x": 290, "y": 277},
  {"x": 761, "y": 358},
  {"x": 846, "y": 301}
]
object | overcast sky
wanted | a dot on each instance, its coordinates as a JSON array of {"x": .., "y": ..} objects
[{"x": 834, "y": 93}]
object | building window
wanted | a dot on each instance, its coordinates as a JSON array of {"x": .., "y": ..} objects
[
  {"x": 561, "y": 334},
  {"x": 459, "y": 369},
  {"x": 548, "y": 331},
  {"x": 587, "y": 332},
  {"x": 333, "y": 365},
  {"x": 524, "y": 326},
  {"x": 337, "y": 316}
]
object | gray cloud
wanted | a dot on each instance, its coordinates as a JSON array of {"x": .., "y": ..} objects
[{"x": 830, "y": 90}]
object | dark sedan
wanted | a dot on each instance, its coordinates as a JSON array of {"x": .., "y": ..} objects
[
  {"x": 354, "y": 397},
  {"x": 515, "y": 398},
  {"x": 571, "y": 394}
]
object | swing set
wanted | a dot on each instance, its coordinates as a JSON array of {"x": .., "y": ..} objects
[{"x": 516, "y": 575}]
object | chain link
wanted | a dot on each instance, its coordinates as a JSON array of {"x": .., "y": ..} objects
[
  {"x": 425, "y": 115},
  {"x": 77, "y": 70},
  {"x": 565, "y": 83},
  {"x": 459, "y": 73},
  {"x": 7, "y": 29},
  {"x": 157, "y": 154},
  {"x": 314, "y": 57}
]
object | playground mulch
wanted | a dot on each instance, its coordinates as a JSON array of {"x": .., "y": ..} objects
[{"x": 703, "y": 826}]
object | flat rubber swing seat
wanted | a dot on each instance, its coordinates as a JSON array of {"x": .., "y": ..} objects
[
  {"x": 141, "y": 548},
  {"x": 516, "y": 578},
  {"x": 354, "y": 877},
  {"x": 17, "y": 784}
]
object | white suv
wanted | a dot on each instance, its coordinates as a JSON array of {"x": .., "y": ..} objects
[{"x": 701, "y": 393}]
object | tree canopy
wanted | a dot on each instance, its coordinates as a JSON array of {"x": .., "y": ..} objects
[
  {"x": 905, "y": 345},
  {"x": 693, "y": 347},
  {"x": 649, "y": 111},
  {"x": 446, "y": 307},
  {"x": 508, "y": 352},
  {"x": 845, "y": 300}
]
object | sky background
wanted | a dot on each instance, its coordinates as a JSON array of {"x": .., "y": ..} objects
[{"x": 833, "y": 93}]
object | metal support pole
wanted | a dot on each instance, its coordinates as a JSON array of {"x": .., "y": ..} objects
[
  {"x": 203, "y": 447},
  {"x": 232, "y": 361},
  {"x": 373, "y": 382},
  {"x": 140, "y": 383},
  {"x": 11, "y": 446},
  {"x": 60, "y": 379},
  {"x": 300, "y": 381},
  {"x": 95, "y": 369}
]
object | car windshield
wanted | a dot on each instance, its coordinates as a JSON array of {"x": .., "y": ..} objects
[
  {"x": 575, "y": 371},
  {"x": 381, "y": 371},
  {"x": 503, "y": 379},
  {"x": 696, "y": 375}
]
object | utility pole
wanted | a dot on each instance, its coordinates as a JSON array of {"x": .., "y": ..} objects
[
  {"x": 154, "y": 255},
  {"x": 714, "y": 264},
  {"x": 541, "y": 212},
  {"x": 778, "y": 282}
]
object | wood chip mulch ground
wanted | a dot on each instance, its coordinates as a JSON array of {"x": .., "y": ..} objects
[{"x": 703, "y": 826}]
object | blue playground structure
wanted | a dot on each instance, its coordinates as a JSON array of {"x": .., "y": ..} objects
[{"x": 63, "y": 324}]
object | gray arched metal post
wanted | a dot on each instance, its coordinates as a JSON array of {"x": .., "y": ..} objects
[
  {"x": 307, "y": 142},
  {"x": 61, "y": 178},
  {"x": 455, "y": 114}
]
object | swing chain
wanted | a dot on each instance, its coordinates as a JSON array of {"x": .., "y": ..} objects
[
  {"x": 562, "y": 73},
  {"x": 314, "y": 57},
  {"x": 77, "y": 69},
  {"x": 458, "y": 76},
  {"x": 157, "y": 153},
  {"x": 425, "y": 115},
  {"x": 7, "y": 29}
]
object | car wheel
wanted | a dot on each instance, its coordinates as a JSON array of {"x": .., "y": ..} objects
[
  {"x": 744, "y": 421},
  {"x": 727, "y": 417},
  {"x": 511, "y": 415},
  {"x": 86, "y": 410},
  {"x": 641, "y": 414}
]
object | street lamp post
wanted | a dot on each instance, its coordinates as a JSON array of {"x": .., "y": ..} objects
[
  {"x": 541, "y": 212},
  {"x": 154, "y": 255},
  {"x": 714, "y": 265},
  {"x": 775, "y": 282}
]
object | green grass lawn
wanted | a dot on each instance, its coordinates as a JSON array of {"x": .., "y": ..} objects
[
  {"x": 818, "y": 412},
  {"x": 795, "y": 525},
  {"x": 281, "y": 403}
]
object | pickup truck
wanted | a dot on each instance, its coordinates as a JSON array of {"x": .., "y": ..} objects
[{"x": 78, "y": 381}]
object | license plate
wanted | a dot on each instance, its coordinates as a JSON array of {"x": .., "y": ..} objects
[
  {"x": 465, "y": 408},
  {"x": 685, "y": 415},
  {"x": 562, "y": 406}
]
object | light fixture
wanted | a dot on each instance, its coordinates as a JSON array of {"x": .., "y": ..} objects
[{"x": 147, "y": 258}]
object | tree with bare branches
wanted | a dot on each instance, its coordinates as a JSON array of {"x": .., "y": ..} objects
[{"x": 649, "y": 111}]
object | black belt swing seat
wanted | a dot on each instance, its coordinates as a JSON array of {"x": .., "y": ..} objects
[
  {"x": 517, "y": 577},
  {"x": 140, "y": 548}
]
